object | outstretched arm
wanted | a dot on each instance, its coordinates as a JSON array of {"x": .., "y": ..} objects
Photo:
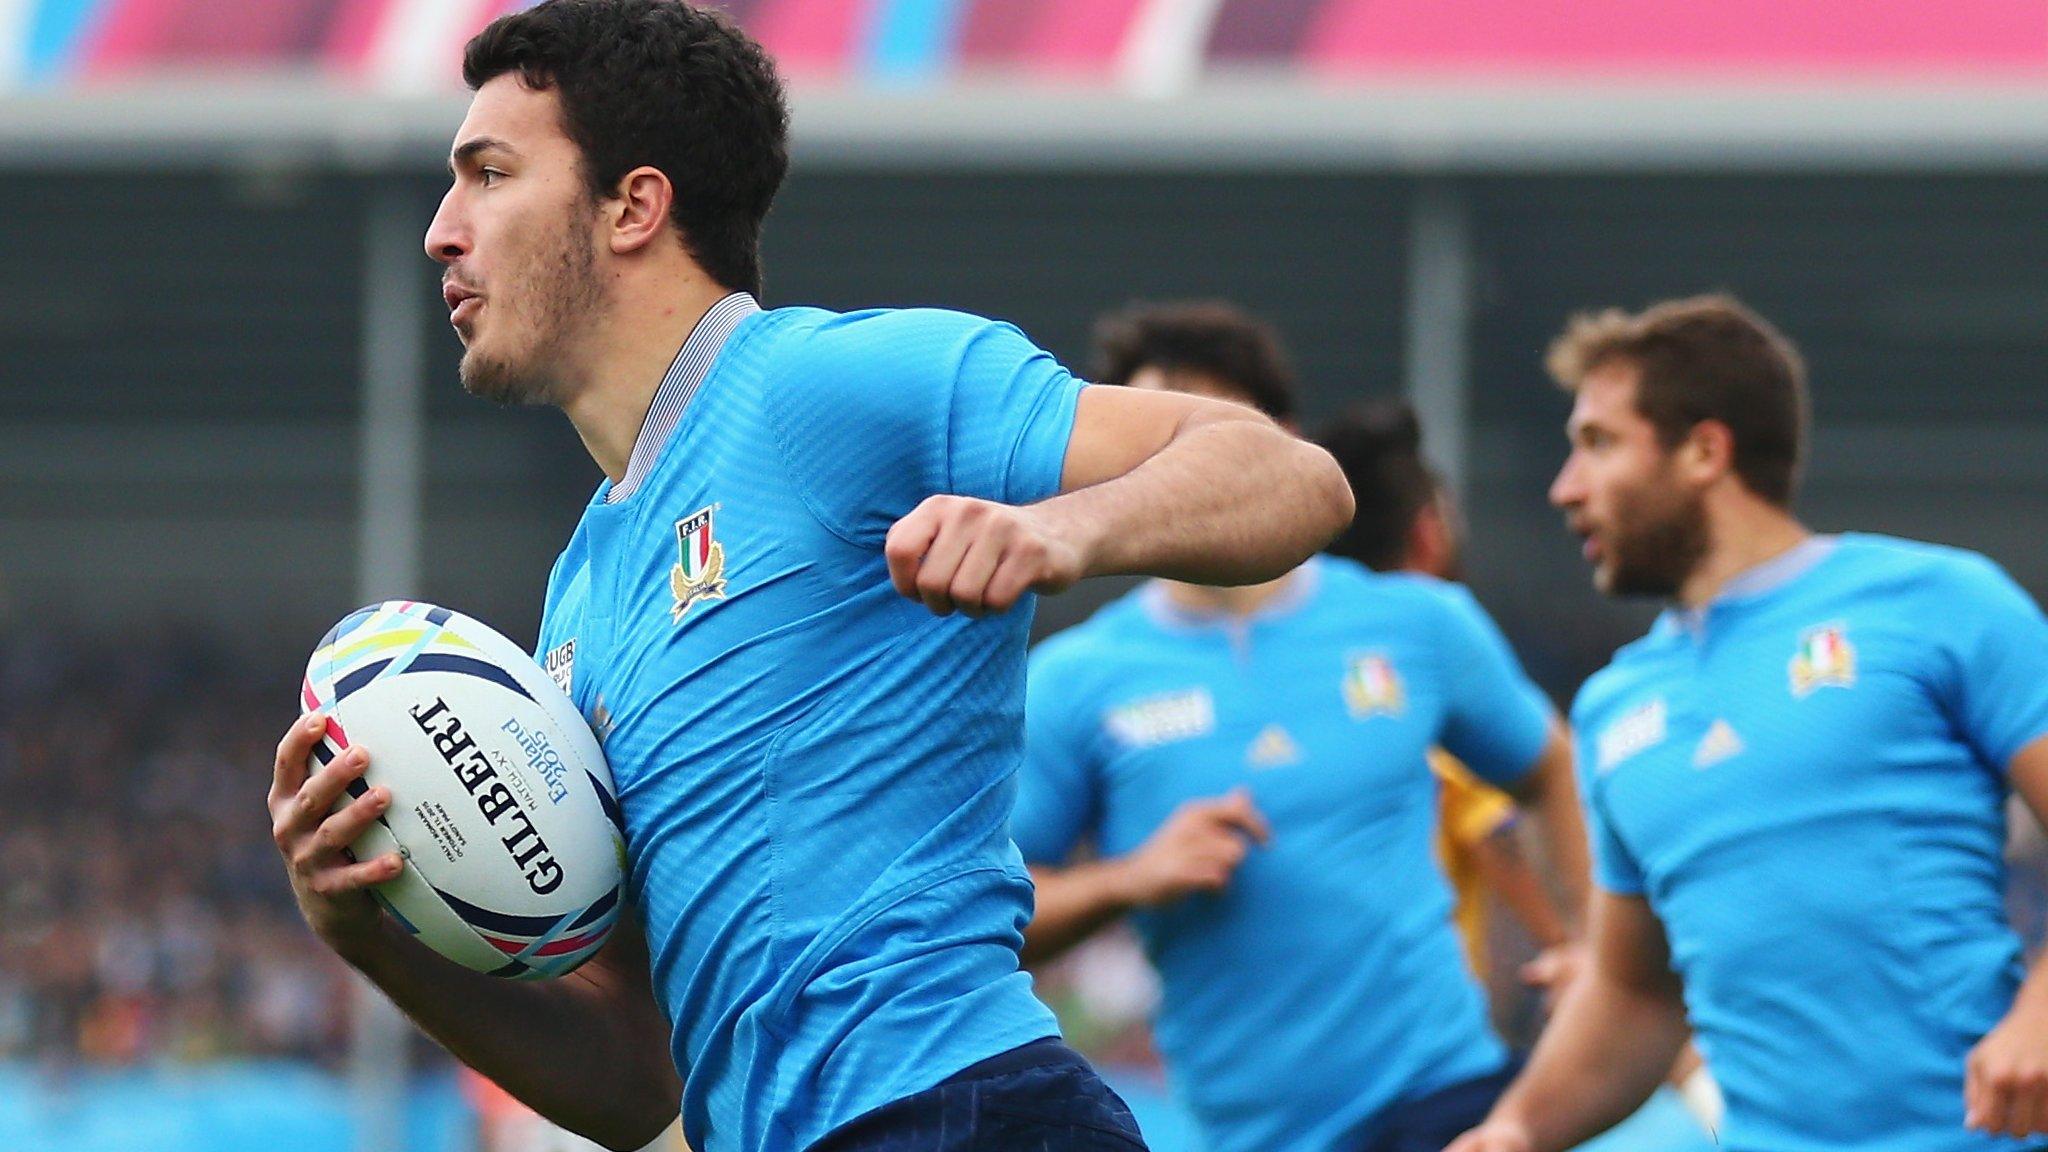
[
  {"x": 588, "y": 1051},
  {"x": 1158, "y": 483}
]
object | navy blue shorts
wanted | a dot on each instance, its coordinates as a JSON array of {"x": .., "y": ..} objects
[
  {"x": 1427, "y": 1123},
  {"x": 1042, "y": 1097}
]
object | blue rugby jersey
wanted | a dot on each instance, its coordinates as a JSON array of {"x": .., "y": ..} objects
[
  {"x": 1327, "y": 981},
  {"x": 1806, "y": 780},
  {"x": 815, "y": 772}
]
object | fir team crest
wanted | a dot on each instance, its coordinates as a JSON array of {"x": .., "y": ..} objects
[
  {"x": 1373, "y": 688},
  {"x": 1825, "y": 658},
  {"x": 699, "y": 573}
]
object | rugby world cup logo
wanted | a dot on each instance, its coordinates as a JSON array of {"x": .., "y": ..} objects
[{"x": 699, "y": 573}]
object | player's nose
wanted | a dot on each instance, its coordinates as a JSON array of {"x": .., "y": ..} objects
[
  {"x": 447, "y": 236},
  {"x": 1567, "y": 489}
]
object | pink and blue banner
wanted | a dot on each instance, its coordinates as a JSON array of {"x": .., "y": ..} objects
[{"x": 895, "y": 42}]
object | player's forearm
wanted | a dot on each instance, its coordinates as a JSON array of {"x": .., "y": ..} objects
[
  {"x": 1601, "y": 1057},
  {"x": 1229, "y": 501},
  {"x": 569, "y": 1048},
  {"x": 1552, "y": 799},
  {"x": 1563, "y": 830},
  {"x": 1073, "y": 904},
  {"x": 1508, "y": 873}
]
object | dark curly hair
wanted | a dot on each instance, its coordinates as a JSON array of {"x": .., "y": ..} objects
[
  {"x": 1379, "y": 447},
  {"x": 1207, "y": 336},
  {"x": 664, "y": 84}
]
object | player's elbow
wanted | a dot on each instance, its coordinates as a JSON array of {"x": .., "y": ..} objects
[
  {"x": 1327, "y": 493},
  {"x": 641, "y": 1098},
  {"x": 637, "y": 1118}
]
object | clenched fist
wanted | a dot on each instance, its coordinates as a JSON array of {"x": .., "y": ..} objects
[{"x": 956, "y": 553}]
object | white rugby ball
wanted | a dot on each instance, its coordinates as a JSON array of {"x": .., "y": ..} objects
[{"x": 502, "y": 805}]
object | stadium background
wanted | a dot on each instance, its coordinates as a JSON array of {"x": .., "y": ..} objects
[{"x": 224, "y": 369}]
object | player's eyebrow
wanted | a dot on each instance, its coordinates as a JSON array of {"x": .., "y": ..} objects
[{"x": 469, "y": 149}]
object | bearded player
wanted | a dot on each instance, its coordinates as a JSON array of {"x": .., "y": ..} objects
[
  {"x": 1796, "y": 781},
  {"x": 795, "y": 612}
]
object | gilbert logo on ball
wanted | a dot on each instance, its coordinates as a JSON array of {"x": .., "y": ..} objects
[{"x": 501, "y": 803}]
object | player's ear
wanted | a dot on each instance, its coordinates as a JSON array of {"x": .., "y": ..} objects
[
  {"x": 1709, "y": 450},
  {"x": 639, "y": 208}
]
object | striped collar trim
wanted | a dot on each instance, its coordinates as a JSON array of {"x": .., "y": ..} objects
[{"x": 691, "y": 365}]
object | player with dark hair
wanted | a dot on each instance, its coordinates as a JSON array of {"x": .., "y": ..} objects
[
  {"x": 794, "y": 612},
  {"x": 1797, "y": 780},
  {"x": 1250, "y": 767},
  {"x": 1406, "y": 523},
  {"x": 1189, "y": 346}
]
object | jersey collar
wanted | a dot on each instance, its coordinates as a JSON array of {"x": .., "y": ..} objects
[
  {"x": 691, "y": 365},
  {"x": 1760, "y": 580},
  {"x": 1163, "y": 611}
]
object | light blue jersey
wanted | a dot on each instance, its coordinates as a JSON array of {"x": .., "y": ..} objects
[
  {"x": 1806, "y": 780},
  {"x": 1326, "y": 982},
  {"x": 815, "y": 772}
]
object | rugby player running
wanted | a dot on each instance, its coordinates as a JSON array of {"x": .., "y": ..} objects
[{"x": 815, "y": 737}]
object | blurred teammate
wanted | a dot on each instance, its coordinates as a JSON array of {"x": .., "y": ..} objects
[
  {"x": 1796, "y": 779},
  {"x": 1250, "y": 765},
  {"x": 1407, "y": 523},
  {"x": 794, "y": 611}
]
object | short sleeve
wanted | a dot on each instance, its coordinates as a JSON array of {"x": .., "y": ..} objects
[
  {"x": 1498, "y": 721},
  {"x": 1058, "y": 799},
  {"x": 1994, "y": 682},
  {"x": 1614, "y": 867},
  {"x": 879, "y": 410}
]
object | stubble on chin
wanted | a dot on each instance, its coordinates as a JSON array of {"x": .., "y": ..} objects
[
  {"x": 488, "y": 378},
  {"x": 564, "y": 291}
]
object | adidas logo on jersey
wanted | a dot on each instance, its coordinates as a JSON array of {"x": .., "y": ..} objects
[
  {"x": 1717, "y": 745},
  {"x": 1273, "y": 749}
]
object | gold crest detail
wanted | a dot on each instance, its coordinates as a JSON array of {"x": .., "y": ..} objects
[
  {"x": 1373, "y": 688},
  {"x": 699, "y": 573}
]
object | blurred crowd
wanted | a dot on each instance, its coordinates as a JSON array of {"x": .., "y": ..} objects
[{"x": 143, "y": 915}]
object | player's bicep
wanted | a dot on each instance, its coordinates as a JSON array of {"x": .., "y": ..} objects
[
  {"x": 1629, "y": 945},
  {"x": 1116, "y": 429},
  {"x": 2028, "y": 770}
]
